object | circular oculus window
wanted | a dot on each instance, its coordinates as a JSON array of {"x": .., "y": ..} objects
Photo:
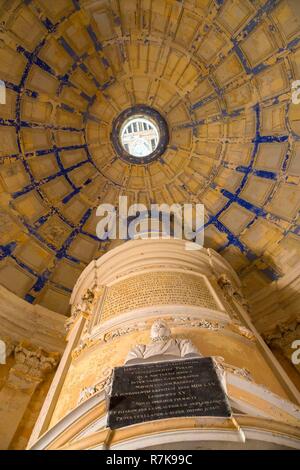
[{"x": 140, "y": 134}]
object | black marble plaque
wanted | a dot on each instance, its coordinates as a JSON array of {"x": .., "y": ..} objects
[{"x": 147, "y": 392}]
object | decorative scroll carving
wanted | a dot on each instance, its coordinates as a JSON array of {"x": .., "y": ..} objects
[
  {"x": 85, "y": 344},
  {"x": 241, "y": 372},
  {"x": 162, "y": 347},
  {"x": 118, "y": 332},
  {"x": 195, "y": 323},
  {"x": 243, "y": 331},
  {"x": 223, "y": 367},
  {"x": 231, "y": 292},
  {"x": 105, "y": 383},
  {"x": 174, "y": 321},
  {"x": 102, "y": 385},
  {"x": 86, "y": 305}
]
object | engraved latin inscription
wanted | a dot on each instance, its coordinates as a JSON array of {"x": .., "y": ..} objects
[
  {"x": 166, "y": 390},
  {"x": 156, "y": 288}
]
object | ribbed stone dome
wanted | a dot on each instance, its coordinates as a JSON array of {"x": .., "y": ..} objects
[{"x": 220, "y": 77}]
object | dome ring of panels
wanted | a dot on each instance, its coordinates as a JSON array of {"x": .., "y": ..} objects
[{"x": 140, "y": 135}]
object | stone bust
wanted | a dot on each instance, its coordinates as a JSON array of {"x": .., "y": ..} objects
[{"x": 163, "y": 347}]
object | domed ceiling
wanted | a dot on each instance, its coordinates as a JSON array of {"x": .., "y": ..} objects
[{"x": 218, "y": 71}]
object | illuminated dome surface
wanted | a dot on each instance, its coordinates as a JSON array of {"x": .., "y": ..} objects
[{"x": 221, "y": 79}]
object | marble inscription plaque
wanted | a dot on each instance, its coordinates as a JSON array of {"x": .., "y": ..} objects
[{"x": 147, "y": 392}]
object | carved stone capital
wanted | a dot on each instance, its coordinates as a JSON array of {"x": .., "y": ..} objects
[
  {"x": 283, "y": 335},
  {"x": 31, "y": 364},
  {"x": 283, "y": 332}
]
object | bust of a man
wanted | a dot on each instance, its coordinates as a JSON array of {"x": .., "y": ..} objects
[{"x": 163, "y": 347}]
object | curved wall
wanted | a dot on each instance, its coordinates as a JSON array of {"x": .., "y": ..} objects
[{"x": 116, "y": 300}]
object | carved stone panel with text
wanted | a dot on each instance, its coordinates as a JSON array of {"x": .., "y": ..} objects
[{"x": 156, "y": 288}]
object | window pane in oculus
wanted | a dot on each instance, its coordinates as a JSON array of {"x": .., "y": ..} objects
[{"x": 139, "y": 136}]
